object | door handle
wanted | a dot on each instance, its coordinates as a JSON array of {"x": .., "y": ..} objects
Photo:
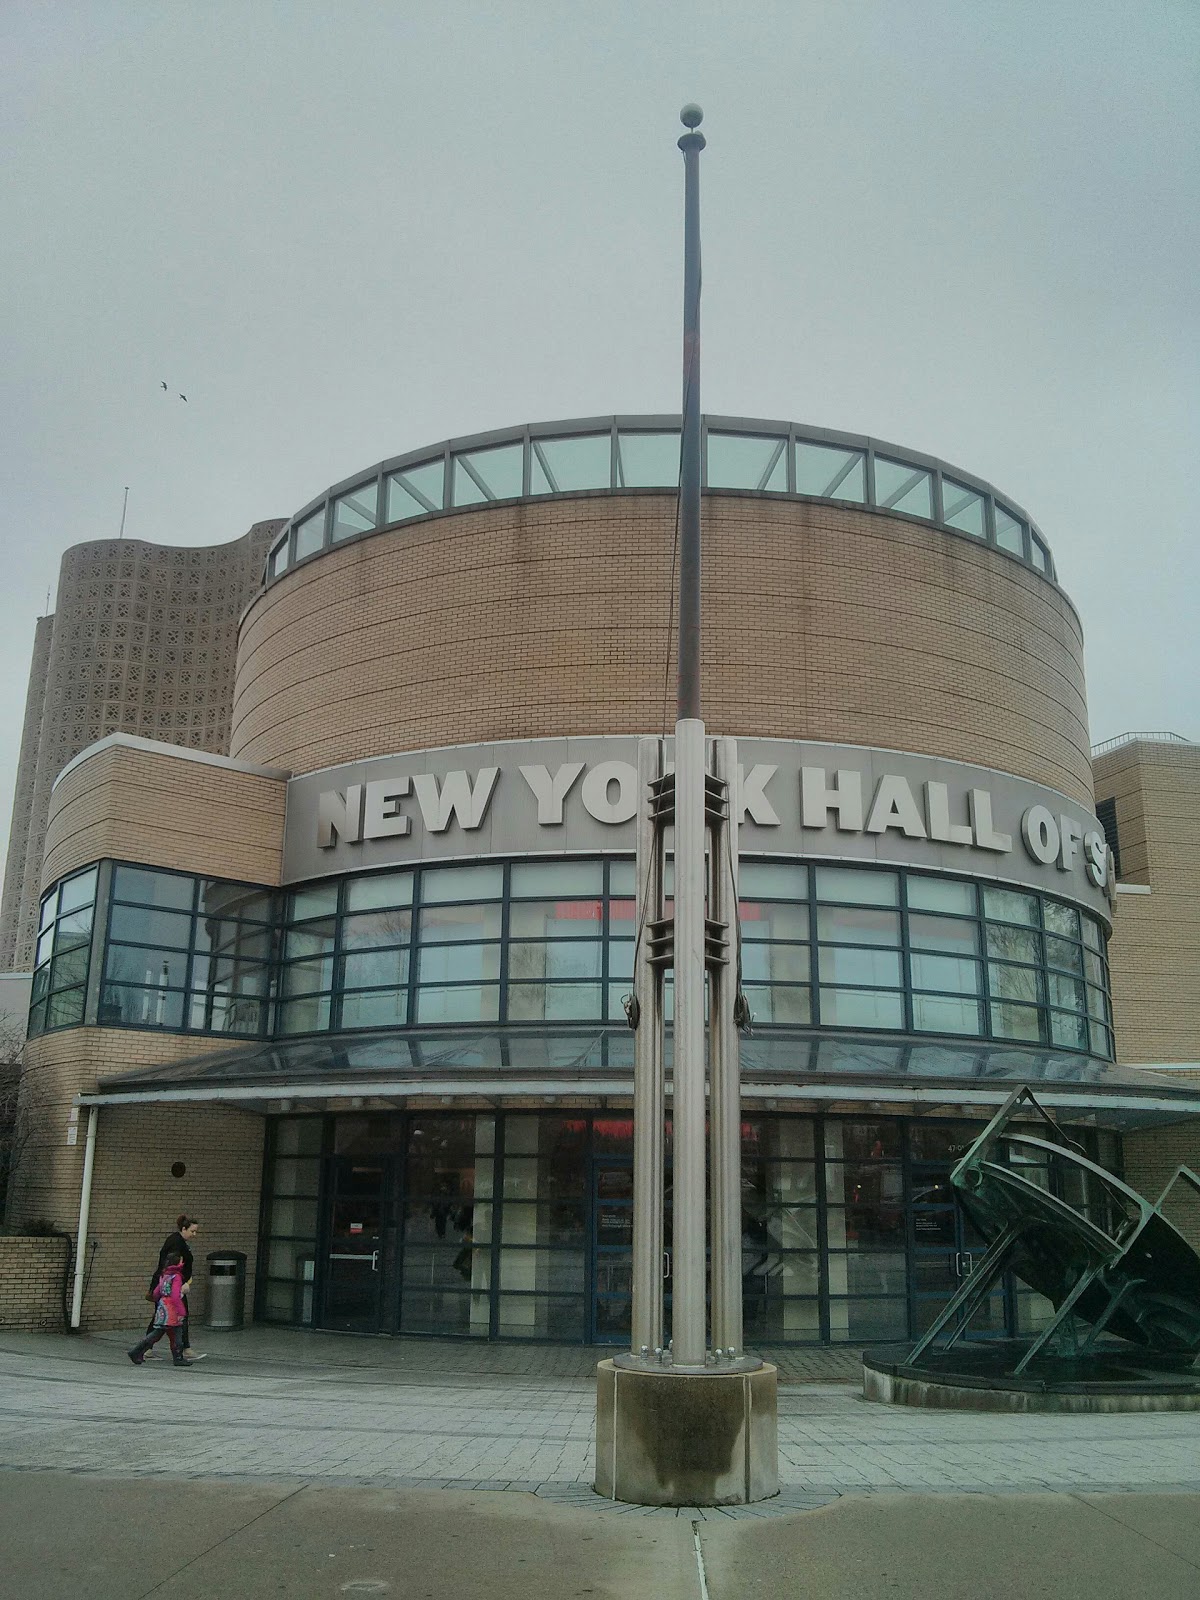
[
  {"x": 356, "y": 1255},
  {"x": 666, "y": 1263}
]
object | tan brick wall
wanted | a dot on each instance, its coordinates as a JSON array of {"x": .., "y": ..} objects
[
  {"x": 1150, "y": 1160},
  {"x": 1155, "y": 947},
  {"x": 167, "y": 811},
  {"x": 549, "y": 619},
  {"x": 31, "y": 1282},
  {"x": 135, "y": 1198}
]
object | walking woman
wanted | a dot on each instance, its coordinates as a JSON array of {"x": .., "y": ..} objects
[{"x": 179, "y": 1244}]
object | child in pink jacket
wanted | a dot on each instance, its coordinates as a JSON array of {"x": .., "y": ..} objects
[{"x": 170, "y": 1310}]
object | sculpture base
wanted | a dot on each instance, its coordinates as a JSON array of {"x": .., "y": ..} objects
[
  {"x": 667, "y": 1438},
  {"x": 978, "y": 1377}
]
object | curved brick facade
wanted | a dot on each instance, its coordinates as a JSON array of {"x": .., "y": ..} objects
[
  {"x": 142, "y": 642},
  {"x": 549, "y": 618}
]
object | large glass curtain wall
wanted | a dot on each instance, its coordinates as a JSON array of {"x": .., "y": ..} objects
[
  {"x": 848, "y": 948},
  {"x": 644, "y": 454},
  {"x": 504, "y": 1225}
]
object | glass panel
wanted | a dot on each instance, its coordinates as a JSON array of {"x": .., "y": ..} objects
[
  {"x": 772, "y": 880},
  {"x": 1014, "y": 983},
  {"x": 561, "y": 466},
  {"x": 278, "y": 559},
  {"x": 1068, "y": 993},
  {"x": 850, "y": 884},
  {"x": 1101, "y": 1040},
  {"x": 793, "y": 1321},
  {"x": 742, "y": 461},
  {"x": 459, "y": 963},
  {"x": 460, "y": 923},
  {"x": 375, "y": 1009},
  {"x": 859, "y": 1320},
  {"x": 49, "y": 907},
  {"x": 44, "y": 946},
  {"x": 1069, "y": 1030},
  {"x": 1016, "y": 1022},
  {"x": 464, "y": 1003},
  {"x": 763, "y": 922},
  {"x": 573, "y": 959},
  {"x": 854, "y": 925},
  {"x": 1059, "y": 953},
  {"x": 310, "y": 939},
  {"x": 940, "y": 1014},
  {"x": 305, "y": 977},
  {"x": 318, "y": 901},
  {"x": 1039, "y": 554},
  {"x": 831, "y": 472},
  {"x": 416, "y": 491},
  {"x": 1010, "y": 534},
  {"x": 541, "y": 1317},
  {"x": 774, "y": 1273},
  {"x": 1007, "y": 905},
  {"x": 304, "y": 1016},
  {"x": 861, "y": 1009},
  {"x": 441, "y": 1311},
  {"x": 310, "y": 534},
  {"x": 1015, "y": 943},
  {"x": 292, "y": 1218},
  {"x": 73, "y": 929},
  {"x": 297, "y": 1177},
  {"x": 647, "y": 460},
  {"x": 1061, "y": 919},
  {"x": 129, "y": 964},
  {"x": 1092, "y": 935},
  {"x": 776, "y": 963},
  {"x": 779, "y": 1003},
  {"x": 298, "y": 1136},
  {"x": 535, "y": 1002},
  {"x": 66, "y": 1009},
  {"x": 874, "y": 968},
  {"x": 138, "y": 1008},
  {"x": 169, "y": 890},
  {"x": 81, "y": 891},
  {"x": 621, "y": 878},
  {"x": 555, "y": 919},
  {"x": 901, "y": 487},
  {"x": 372, "y": 929},
  {"x": 493, "y": 474},
  {"x": 551, "y": 878},
  {"x": 376, "y": 969},
  {"x": 955, "y": 975},
  {"x": 356, "y": 512},
  {"x": 943, "y": 933},
  {"x": 963, "y": 508},
  {"x": 940, "y": 894},
  {"x": 545, "y": 1222},
  {"x": 137, "y": 925},
  {"x": 442, "y": 884}
]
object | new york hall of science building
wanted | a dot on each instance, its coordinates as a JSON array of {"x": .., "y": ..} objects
[{"x": 323, "y": 865}]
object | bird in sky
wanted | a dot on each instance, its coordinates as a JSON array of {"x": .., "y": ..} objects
[
  {"x": 164, "y": 383},
  {"x": 183, "y": 397}
]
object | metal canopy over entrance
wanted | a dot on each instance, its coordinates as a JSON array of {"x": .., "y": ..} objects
[{"x": 503, "y": 1064}]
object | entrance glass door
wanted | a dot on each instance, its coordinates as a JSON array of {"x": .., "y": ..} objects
[
  {"x": 354, "y": 1262},
  {"x": 946, "y": 1249},
  {"x": 612, "y": 1250}
]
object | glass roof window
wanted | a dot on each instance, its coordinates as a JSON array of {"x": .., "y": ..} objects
[
  {"x": 1010, "y": 534},
  {"x": 483, "y": 475},
  {"x": 831, "y": 473},
  {"x": 567, "y": 466},
  {"x": 310, "y": 534},
  {"x": 899, "y": 486},
  {"x": 648, "y": 460},
  {"x": 963, "y": 508},
  {"x": 356, "y": 512},
  {"x": 416, "y": 491},
  {"x": 634, "y": 452},
  {"x": 744, "y": 461},
  {"x": 277, "y": 561}
]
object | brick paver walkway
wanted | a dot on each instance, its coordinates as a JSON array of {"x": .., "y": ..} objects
[{"x": 438, "y": 1415}]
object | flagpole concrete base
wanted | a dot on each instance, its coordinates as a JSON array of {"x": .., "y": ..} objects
[{"x": 668, "y": 1438}]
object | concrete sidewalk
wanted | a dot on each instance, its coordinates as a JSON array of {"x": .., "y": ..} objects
[{"x": 96, "y": 1538}]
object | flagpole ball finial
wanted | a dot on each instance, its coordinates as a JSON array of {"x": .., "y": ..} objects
[{"x": 691, "y": 116}]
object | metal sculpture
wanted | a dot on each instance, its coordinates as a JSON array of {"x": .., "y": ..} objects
[{"x": 1101, "y": 1253}]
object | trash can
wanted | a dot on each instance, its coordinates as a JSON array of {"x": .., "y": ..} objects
[{"x": 226, "y": 1289}]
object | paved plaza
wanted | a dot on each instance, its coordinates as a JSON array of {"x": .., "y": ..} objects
[{"x": 424, "y": 1415}]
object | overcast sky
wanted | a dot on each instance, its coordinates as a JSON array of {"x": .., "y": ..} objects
[{"x": 344, "y": 231}]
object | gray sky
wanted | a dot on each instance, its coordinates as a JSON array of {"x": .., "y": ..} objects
[{"x": 347, "y": 231}]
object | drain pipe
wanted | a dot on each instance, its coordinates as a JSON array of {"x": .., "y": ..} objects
[{"x": 85, "y": 1206}]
